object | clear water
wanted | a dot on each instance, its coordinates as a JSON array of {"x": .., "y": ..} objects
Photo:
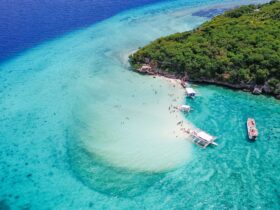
[{"x": 80, "y": 131}]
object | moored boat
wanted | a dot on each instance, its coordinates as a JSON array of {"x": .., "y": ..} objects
[
  {"x": 190, "y": 92},
  {"x": 201, "y": 138},
  {"x": 252, "y": 129},
  {"x": 184, "y": 108}
]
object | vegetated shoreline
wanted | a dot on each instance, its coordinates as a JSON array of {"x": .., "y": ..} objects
[
  {"x": 253, "y": 88},
  {"x": 246, "y": 59}
]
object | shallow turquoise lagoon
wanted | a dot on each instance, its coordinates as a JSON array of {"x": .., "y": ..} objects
[
  {"x": 79, "y": 130},
  {"x": 240, "y": 173}
]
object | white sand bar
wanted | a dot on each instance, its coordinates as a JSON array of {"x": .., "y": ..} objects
[{"x": 135, "y": 127}]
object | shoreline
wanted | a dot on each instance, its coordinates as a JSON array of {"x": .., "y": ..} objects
[
  {"x": 144, "y": 114},
  {"x": 252, "y": 88},
  {"x": 177, "y": 84}
]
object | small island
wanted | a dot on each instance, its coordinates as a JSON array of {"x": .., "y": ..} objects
[{"x": 239, "y": 49}]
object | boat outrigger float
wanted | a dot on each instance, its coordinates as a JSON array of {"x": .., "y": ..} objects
[
  {"x": 201, "y": 138},
  {"x": 252, "y": 129}
]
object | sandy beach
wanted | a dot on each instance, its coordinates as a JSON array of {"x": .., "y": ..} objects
[{"x": 146, "y": 134}]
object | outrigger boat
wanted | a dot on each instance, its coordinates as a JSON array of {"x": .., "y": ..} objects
[
  {"x": 184, "y": 108},
  {"x": 201, "y": 138},
  {"x": 252, "y": 129},
  {"x": 190, "y": 92}
]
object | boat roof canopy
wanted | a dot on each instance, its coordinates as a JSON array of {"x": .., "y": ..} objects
[
  {"x": 185, "y": 106},
  {"x": 205, "y": 136},
  {"x": 190, "y": 90}
]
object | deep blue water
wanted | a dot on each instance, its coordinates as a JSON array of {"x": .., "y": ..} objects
[{"x": 25, "y": 23}]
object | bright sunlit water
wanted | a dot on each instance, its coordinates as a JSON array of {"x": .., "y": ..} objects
[{"x": 79, "y": 130}]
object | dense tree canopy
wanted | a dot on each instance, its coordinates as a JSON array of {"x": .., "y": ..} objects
[{"x": 240, "y": 46}]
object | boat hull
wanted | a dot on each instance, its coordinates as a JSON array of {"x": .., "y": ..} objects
[{"x": 252, "y": 129}]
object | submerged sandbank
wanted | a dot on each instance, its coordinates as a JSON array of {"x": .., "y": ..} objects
[
  {"x": 137, "y": 127},
  {"x": 127, "y": 136}
]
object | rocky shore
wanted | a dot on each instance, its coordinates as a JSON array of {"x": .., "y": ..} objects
[
  {"x": 253, "y": 88},
  {"x": 239, "y": 56}
]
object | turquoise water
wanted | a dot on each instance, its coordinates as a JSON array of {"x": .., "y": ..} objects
[
  {"x": 81, "y": 131},
  {"x": 240, "y": 173}
]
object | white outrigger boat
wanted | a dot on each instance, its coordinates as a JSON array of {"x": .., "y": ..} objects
[
  {"x": 252, "y": 129},
  {"x": 185, "y": 108},
  {"x": 190, "y": 92},
  {"x": 201, "y": 138}
]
